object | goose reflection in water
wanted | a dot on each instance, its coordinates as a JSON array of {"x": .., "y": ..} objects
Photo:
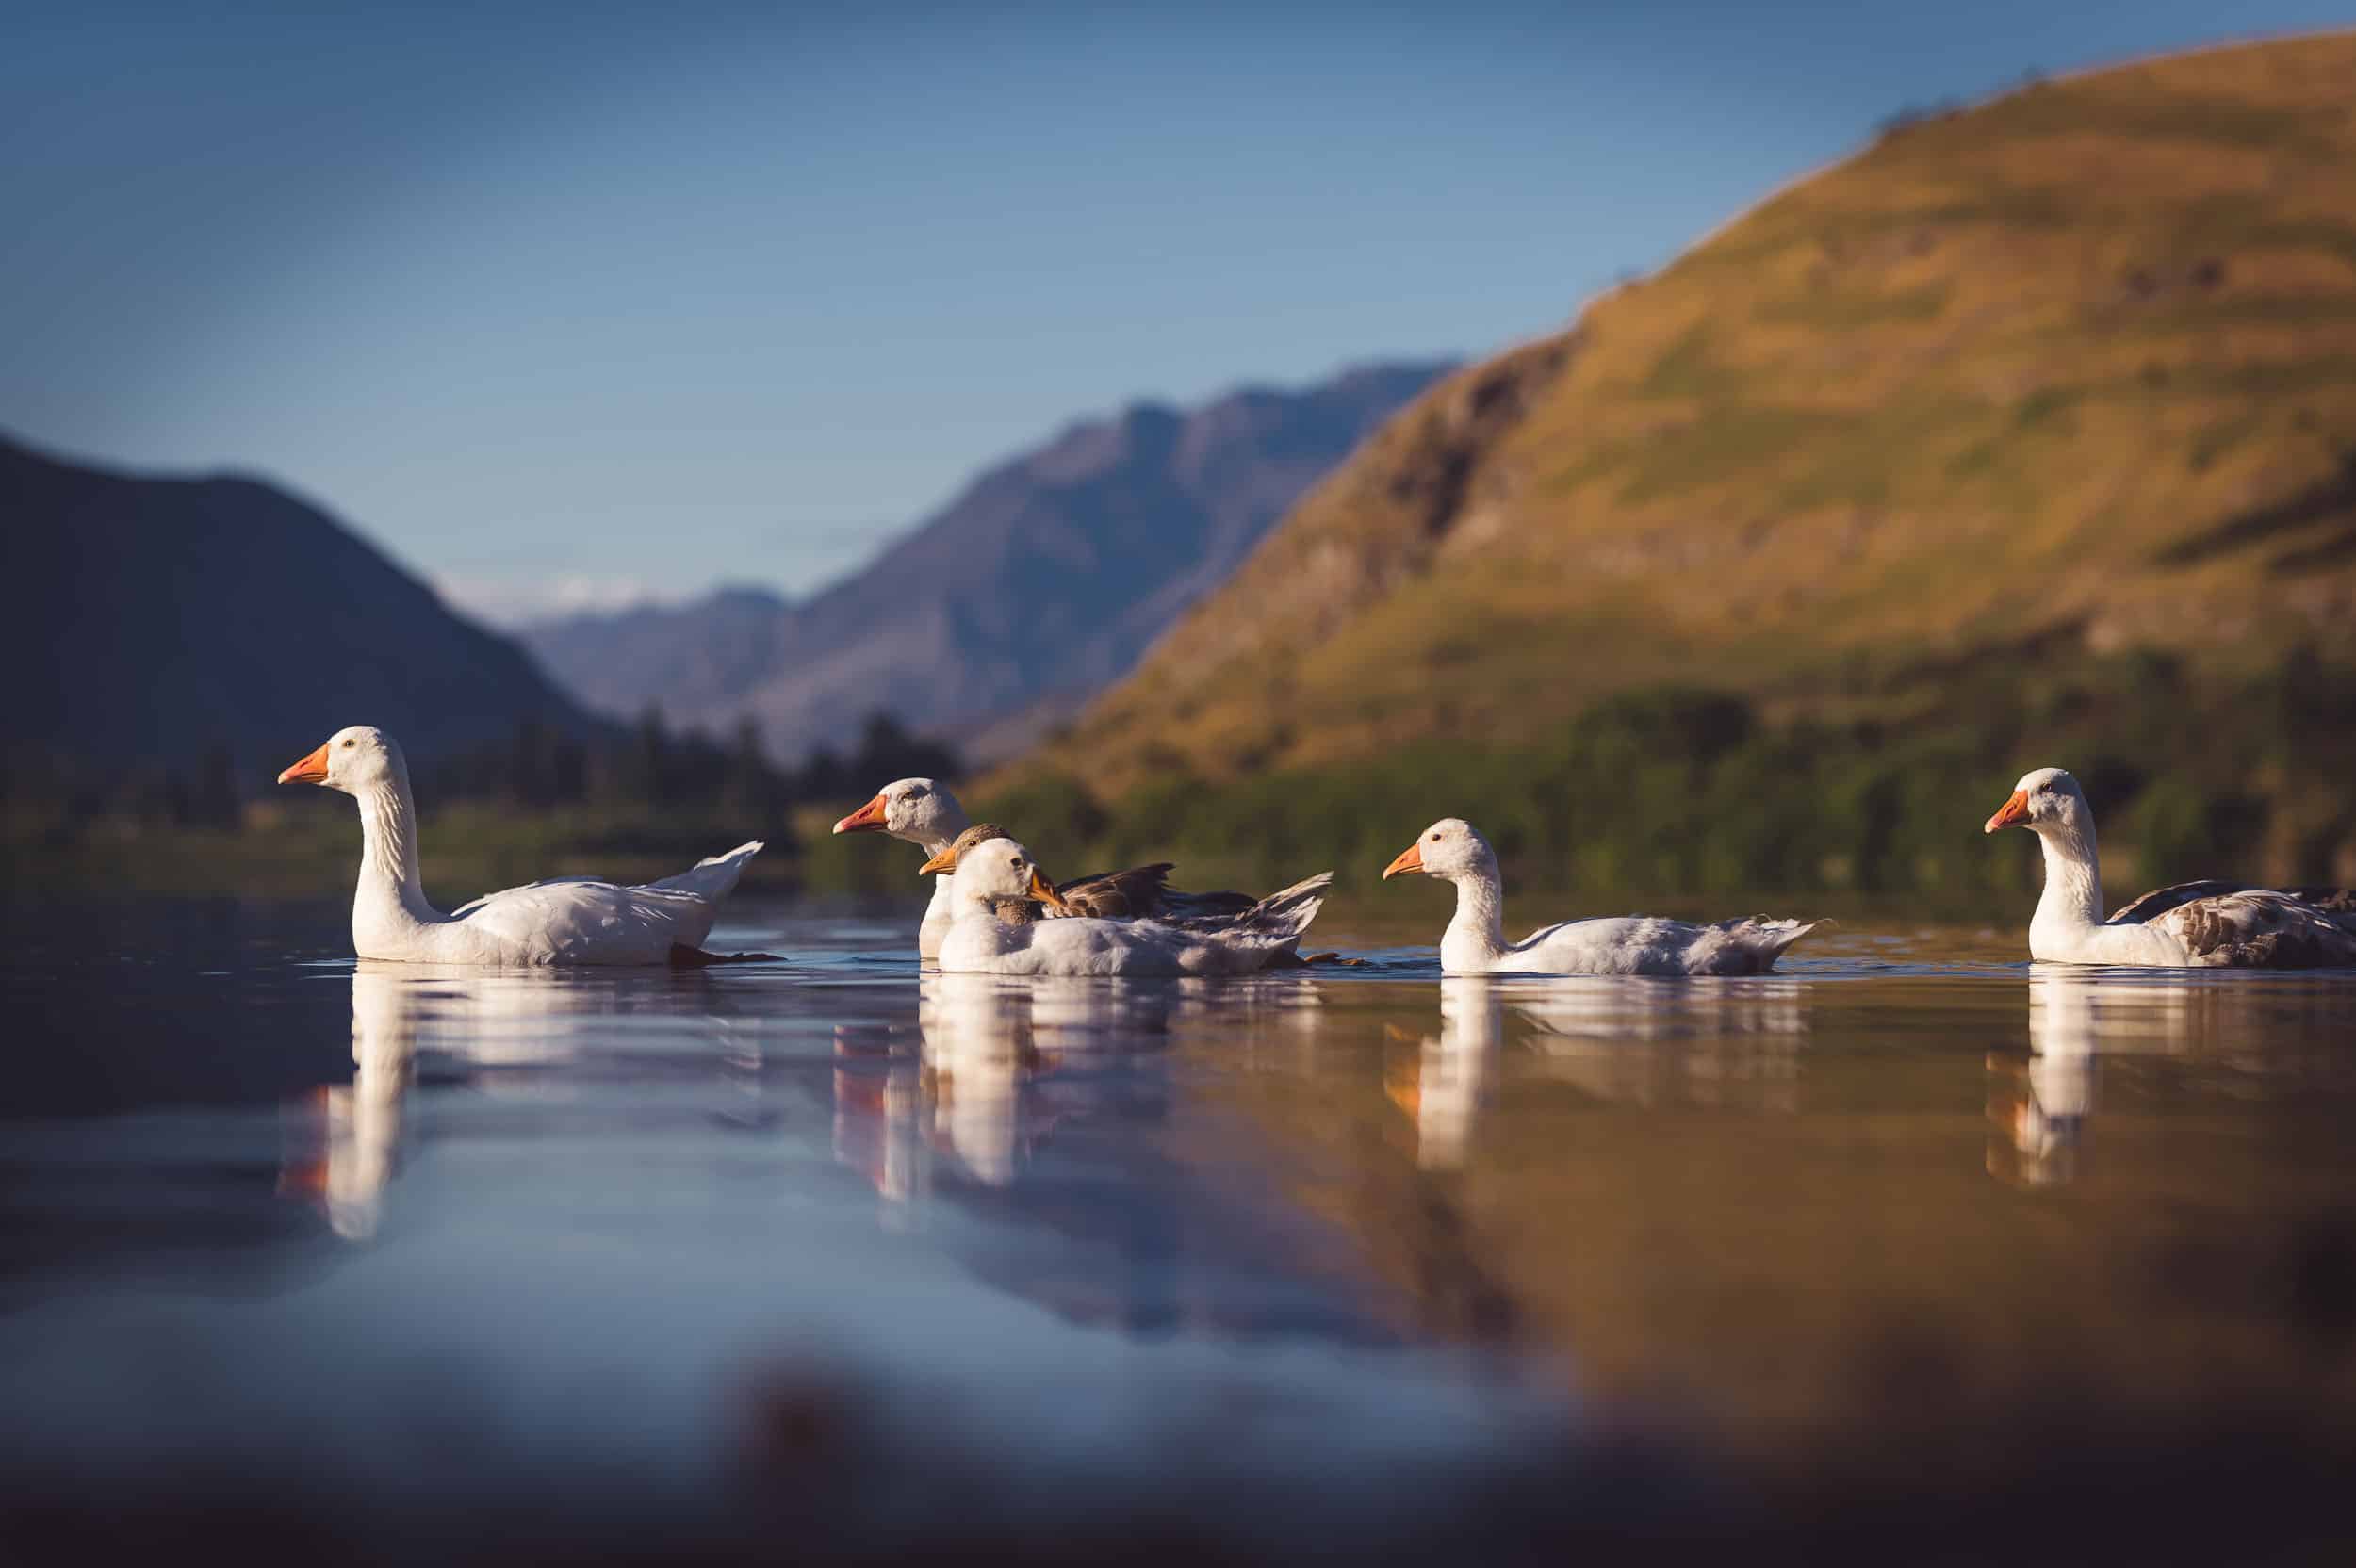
[
  {"x": 1623, "y": 1040},
  {"x": 1044, "y": 1108},
  {"x": 354, "y": 1137},
  {"x": 1451, "y": 1076},
  {"x": 2040, "y": 1108},
  {"x": 980, "y": 1064},
  {"x": 997, "y": 1063},
  {"x": 973, "y": 1083},
  {"x": 496, "y": 1028}
]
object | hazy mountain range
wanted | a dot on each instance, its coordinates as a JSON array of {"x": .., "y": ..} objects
[
  {"x": 1042, "y": 582},
  {"x": 151, "y": 620}
]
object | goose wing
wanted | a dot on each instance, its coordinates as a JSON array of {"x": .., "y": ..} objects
[
  {"x": 1143, "y": 893},
  {"x": 586, "y": 920},
  {"x": 1199, "y": 907},
  {"x": 712, "y": 877},
  {"x": 474, "y": 903},
  {"x": 1279, "y": 918},
  {"x": 2161, "y": 900},
  {"x": 1143, "y": 947},
  {"x": 1117, "y": 894},
  {"x": 1645, "y": 944},
  {"x": 2330, "y": 901},
  {"x": 2267, "y": 928}
]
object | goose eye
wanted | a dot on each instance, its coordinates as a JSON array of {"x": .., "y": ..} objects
[
  {"x": 350, "y": 744},
  {"x": 1435, "y": 838}
]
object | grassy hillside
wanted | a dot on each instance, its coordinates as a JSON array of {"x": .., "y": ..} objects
[{"x": 2028, "y": 434}]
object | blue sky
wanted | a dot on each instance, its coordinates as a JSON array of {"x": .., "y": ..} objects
[{"x": 576, "y": 303}]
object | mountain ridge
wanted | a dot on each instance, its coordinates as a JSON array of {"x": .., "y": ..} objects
[
  {"x": 1047, "y": 573},
  {"x": 177, "y": 615}
]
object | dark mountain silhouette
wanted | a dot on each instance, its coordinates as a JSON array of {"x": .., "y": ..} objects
[
  {"x": 1042, "y": 583},
  {"x": 155, "y": 621}
]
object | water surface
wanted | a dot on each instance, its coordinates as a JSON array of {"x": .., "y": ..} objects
[{"x": 1357, "y": 1258}]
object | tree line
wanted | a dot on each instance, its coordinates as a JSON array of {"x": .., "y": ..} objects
[
  {"x": 647, "y": 766},
  {"x": 2193, "y": 773}
]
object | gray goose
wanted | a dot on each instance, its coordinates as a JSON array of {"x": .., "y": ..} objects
[{"x": 2210, "y": 924}]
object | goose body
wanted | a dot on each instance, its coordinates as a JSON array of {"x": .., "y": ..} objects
[
  {"x": 1474, "y": 943},
  {"x": 564, "y": 920},
  {"x": 2194, "y": 924},
  {"x": 980, "y": 941},
  {"x": 924, "y": 813}
]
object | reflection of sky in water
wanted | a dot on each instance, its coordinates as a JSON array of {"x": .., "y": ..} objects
[{"x": 413, "y": 1233}]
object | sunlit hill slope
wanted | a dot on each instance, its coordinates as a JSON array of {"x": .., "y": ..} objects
[{"x": 2031, "y": 426}]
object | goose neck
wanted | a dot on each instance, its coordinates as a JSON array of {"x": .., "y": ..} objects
[
  {"x": 1476, "y": 934},
  {"x": 2073, "y": 899},
  {"x": 390, "y": 882},
  {"x": 967, "y": 900},
  {"x": 940, "y": 831}
]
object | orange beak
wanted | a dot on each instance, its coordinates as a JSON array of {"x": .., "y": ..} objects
[
  {"x": 303, "y": 1179},
  {"x": 1044, "y": 890},
  {"x": 311, "y": 770},
  {"x": 1403, "y": 1082},
  {"x": 2011, "y": 814},
  {"x": 943, "y": 863},
  {"x": 1410, "y": 858},
  {"x": 867, "y": 818}
]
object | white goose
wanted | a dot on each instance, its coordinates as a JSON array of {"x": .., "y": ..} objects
[
  {"x": 980, "y": 942},
  {"x": 1475, "y": 940},
  {"x": 922, "y": 812},
  {"x": 2204, "y": 925},
  {"x": 564, "y": 920}
]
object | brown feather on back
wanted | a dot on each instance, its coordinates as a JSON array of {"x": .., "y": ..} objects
[
  {"x": 2161, "y": 900},
  {"x": 2265, "y": 927},
  {"x": 1131, "y": 894},
  {"x": 1140, "y": 892}
]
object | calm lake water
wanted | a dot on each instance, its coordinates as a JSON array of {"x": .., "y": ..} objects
[{"x": 1913, "y": 1249}]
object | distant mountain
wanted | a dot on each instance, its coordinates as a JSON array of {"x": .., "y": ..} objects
[
  {"x": 1044, "y": 581},
  {"x": 151, "y": 620},
  {"x": 690, "y": 660}
]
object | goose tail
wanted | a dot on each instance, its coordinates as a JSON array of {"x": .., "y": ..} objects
[
  {"x": 1279, "y": 920},
  {"x": 713, "y": 877},
  {"x": 1762, "y": 941}
]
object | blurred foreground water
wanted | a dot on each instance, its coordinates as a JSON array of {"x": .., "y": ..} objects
[{"x": 1912, "y": 1251}]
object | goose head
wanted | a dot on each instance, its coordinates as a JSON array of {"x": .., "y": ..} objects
[
  {"x": 1000, "y": 869},
  {"x": 1448, "y": 849},
  {"x": 356, "y": 761},
  {"x": 946, "y": 863},
  {"x": 920, "y": 811},
  {"x": 2045, "y": 801}
]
